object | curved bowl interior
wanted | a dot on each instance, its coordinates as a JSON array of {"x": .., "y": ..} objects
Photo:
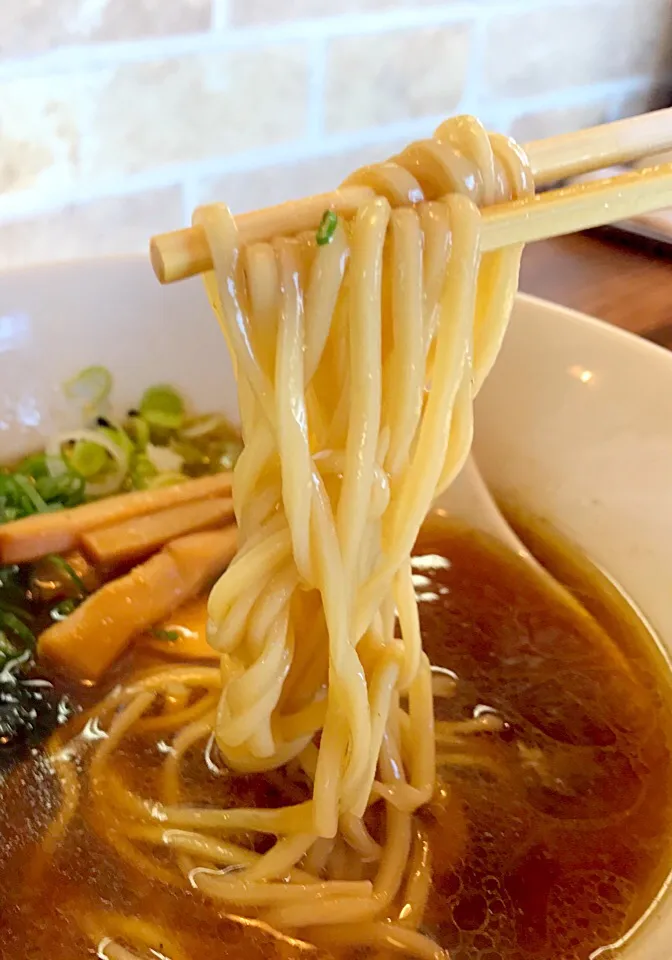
[
  {"x": 57, "y": 319},
  {"x": 574, "y": 423}
]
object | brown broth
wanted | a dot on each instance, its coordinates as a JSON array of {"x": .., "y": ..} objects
[{"x": 551, "y": 842}]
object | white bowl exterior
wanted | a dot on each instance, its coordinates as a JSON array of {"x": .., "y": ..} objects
[{"x": 575, "y": 422}]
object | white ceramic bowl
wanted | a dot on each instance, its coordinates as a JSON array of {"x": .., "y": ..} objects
[{"x": 575, "y": 422}]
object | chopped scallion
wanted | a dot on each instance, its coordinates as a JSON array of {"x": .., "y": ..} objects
[
  {"x": 138, "y": 431},
  {"x": 34, "y": 466},
  {"x": 29, "y": 491},
  {"x": 64, "y": 490},
  {"x": 69, "y": 571},
  {"x": 327, "y": 228},
  {"x": 162, "y": 407},
  {"x": 16, "y": 610},
  {"x": 118, "y": 436},
  {"x": 9, "y": 622},
  {"x": 142, "y": 470},
  {"x": 92, "y": 386},
  {"x": 169, "y": 635},
  {"x": 63, "y": 609},
  {"x": 7, "y": 648},
  {"x": 88, "y": 458}
]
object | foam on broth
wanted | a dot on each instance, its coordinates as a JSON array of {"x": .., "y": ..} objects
[{"x": 549, "y": 837}]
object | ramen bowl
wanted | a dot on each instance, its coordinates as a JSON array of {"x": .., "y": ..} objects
[{"x": 574, "y": 424}]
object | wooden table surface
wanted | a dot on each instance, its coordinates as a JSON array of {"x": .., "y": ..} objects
[{"x": 626, "y": 285}]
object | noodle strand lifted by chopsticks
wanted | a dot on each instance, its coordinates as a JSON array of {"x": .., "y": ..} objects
[{"x": 357, "y": 364}]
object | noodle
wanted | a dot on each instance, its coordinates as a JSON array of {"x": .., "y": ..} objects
[
  {"x": 357, "y": 362},
  {"x": 419, "y": 881}
]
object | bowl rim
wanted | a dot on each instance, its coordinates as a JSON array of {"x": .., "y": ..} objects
[
  {"x": 637, "y": 341},
  {"x": 597, "y": 325}
]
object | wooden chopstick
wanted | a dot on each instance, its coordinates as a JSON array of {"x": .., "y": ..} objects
[
  {"x": 596, "y": 148},
  {"x": 582, "y": 206},
  {"x": 579, "y": 207},
  {"x": 184, "y": 253}
]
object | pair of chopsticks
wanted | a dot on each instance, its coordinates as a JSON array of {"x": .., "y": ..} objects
[{"x": 184, "y": 253}]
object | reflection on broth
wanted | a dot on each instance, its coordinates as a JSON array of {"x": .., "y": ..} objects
[{"x": 548, "y": 834}]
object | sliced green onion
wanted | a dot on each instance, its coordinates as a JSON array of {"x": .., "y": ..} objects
[
  {"x": 327, "y": 228},
  {"x": 65, "y": 489},
  {"x": 13, "y": 601},
  {"x": 88, "y": 458},
  {"x": 138, "y": 431},
  {"x": 10, "y": 622},
  {"x": 13, "y": 503},
  {"x": 192, "y": 454},
  {"x": 69, "y": 570},
  {"x": 7, "y": 648},
  {"x": 111, "y": 480},
  {"x": 63, "y": 609},
  {"x": 35, "y": 466},
  {"x": 162, "y": 407},
  {"x": 28, "y": 490},
  {"x": 142, "y": 469},
  {"x": 23, "y": 493},
  {"x": 119, "y": 437},
  {"x": 170, "y": 635},
  {"x": 92, "y": 385},
  {"x": 16, "y": 610}
]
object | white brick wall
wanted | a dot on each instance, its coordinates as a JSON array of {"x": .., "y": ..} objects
[{"x": 118, "y": 115}]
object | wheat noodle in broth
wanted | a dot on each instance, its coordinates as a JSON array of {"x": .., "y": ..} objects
[{"x": 357, "y": 362}]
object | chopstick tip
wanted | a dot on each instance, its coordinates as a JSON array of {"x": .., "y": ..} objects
[{"x": 156, "y": 259}]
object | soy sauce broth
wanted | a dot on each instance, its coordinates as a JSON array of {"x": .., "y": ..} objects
[
  {"x": 565, "y": 834},
  {"x": 549, "y": 837}
]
